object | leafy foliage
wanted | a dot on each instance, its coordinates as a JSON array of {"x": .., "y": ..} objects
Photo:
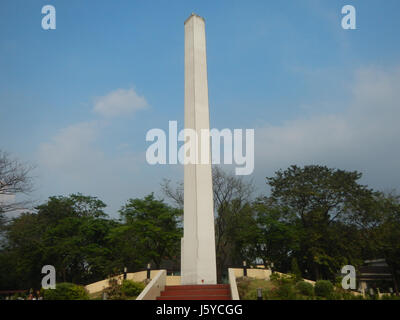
[
  {"x": 128, "y": 289},
  {"x": 296, "y": 270},
  {"x": 315, "y": 220},
  {"x": 323, "y": 288},
  {"x": 305, "y": 288},
  {"x": 131, "y": 288},
  {"x": 113, "y": 291},
  {"x": 151, "y": 231},
  {"x": 66, "y": 232},
  {"x": 318, "y": 203},
  {"x": 66, "y": 291},
  {"x": 286, "y": 288}
]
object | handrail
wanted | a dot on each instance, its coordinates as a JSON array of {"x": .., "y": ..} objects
[
  {"x": 154, "y": 288},
  {"x": 233, "y": 285}
]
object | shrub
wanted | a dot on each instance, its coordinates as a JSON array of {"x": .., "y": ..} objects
[
  {"x": 286, "y": 292},
  {"x": 279, "y": 279},
  {"x": 390, "y": 297},
  {"x": 336, "y": 295},
  {"x": 289, "y": 279},
  {"x": 131, "y": 288},
  {"x": 275, "y": 276},
  {"x": 323, "y": 288},
  {"x": 127, "y": 289},
  {"x": 338, "y": 282},
  {"x": 113, "y": 291},
  {"x": 305, "y": 288},
  {"x": 66, "y": 291}
]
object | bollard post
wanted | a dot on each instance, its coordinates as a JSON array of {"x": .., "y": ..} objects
[
  {"x": 148, "y": 271},
  {"x": 259, "y": 294}
]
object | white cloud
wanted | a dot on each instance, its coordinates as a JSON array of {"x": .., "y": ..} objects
[
  {"x": 119, "y": 102},
  {"x": 74, "y": 161},
  {"x": 71, "y": 147},
  {"x": 364, "y": 137}
]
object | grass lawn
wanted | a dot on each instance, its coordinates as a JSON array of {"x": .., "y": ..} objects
[
  {"x": 288, "y": 289},
  {"x": 248, "y": 287}
]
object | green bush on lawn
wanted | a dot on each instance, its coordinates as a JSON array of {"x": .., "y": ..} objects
[
  {"x": 286, "y": 291},
  {"x": 66, "y": 291},
  {"x": 131, "y": 288},
  {"x": 305, "y": 288},
  {"x": 323, "y": 288},
  {"x": 127, "y": 290},
  {"x": 280, "y": 287}
]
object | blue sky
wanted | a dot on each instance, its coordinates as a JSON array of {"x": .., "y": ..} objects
[{"x": 314, "y": 93}]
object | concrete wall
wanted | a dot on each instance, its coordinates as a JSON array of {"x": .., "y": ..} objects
[
  {"x": 136, "y": 276},
  {"x": 154, "y": 288},
  {"x": 252, "y": 273},
  {"x": 233, "y": 285},
  {"x": 234, "y": 273},
  {"x": 284, "y": 275},
  {"x": 101, "y": 285},
  {"x": 173, "y": 281}
]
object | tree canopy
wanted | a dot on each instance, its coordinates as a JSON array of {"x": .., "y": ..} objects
[{"x": 314, "y": 221}]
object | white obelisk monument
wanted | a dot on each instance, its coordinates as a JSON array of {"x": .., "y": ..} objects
[{"x": 198, "y": 263}]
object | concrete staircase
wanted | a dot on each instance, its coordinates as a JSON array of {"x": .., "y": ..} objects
[{"x": 196, "y": 292}]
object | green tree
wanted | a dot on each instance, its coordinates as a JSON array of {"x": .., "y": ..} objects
[
  {"x": 237, "y": 235},
  {"x": 69, "y": 233},
  {"x": 377, "y": 221},
  {"x": 388, "y": 235},
  {"x": 154, "y": 228},
  {"x": 22, "y": 253},
  {"x": 315, "y": 198},
  {"x": 278, "y": 237},
  {"x": 75, "y": 237},
  {"x": 295, "y": 270}
]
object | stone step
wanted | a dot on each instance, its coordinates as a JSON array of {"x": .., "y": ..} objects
[
  {"x": 171, "y": 292},
  {"x": 198, "y": 286},
  {"x": 196, "y": 292},
  {"x": 204, "y": 297}
]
